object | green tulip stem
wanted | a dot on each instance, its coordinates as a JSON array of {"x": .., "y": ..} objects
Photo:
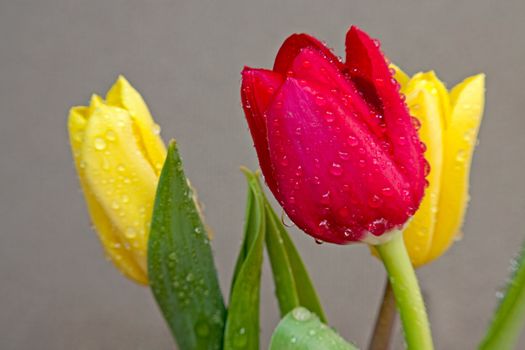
[{"x": 407, "y": 293}]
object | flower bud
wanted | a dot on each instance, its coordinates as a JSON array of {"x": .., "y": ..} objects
[
  {"x": 449, "y": 127},
  {"x": 118, "y": 155},
  {"x": 335, "y": 141}
]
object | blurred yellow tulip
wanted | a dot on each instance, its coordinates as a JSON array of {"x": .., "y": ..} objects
[
  {"x": 449, "y": 127},
  {"x": 118, "y": 156}
]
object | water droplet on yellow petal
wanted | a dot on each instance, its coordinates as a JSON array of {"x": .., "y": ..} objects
[
  {"x": 131, "y": 233},
  {"x": 100, "y": 144},
  {"x": 156, "y": 129},
  {"x": 110, "y": 135}
]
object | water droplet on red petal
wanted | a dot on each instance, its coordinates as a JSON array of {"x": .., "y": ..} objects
[
  {"x": 336, "y": 169},
  {"x": 374, "y": 201}
]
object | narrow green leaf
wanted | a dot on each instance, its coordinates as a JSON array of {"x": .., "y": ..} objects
[
  {"x": 302, "y": 330},
  {"x": 293, "y": 284},
  {"x": 285, "y": 287},
  {"x": 242, "y": 324},
  {"x": 181, "y": 270},
  {"x": 250, "y": 226},
  {"x": 508, "y": 321}
]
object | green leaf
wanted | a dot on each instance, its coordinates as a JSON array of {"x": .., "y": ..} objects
[
  {"x": 509, "y": 318},
  {"x": 181, "y": 270},
  {"x": 302, "y": 330},
  {"x": 283, "y": 277},
  {"x": 242, "y": 325},
  {"x": 293, "y": 285}
]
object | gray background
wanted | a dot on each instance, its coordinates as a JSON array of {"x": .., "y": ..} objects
[{"x": 58, "y": 292}]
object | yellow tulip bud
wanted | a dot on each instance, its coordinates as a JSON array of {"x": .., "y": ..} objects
[
  {"x": 449, "y": 127},
  {"x": 118, "y": 155}
]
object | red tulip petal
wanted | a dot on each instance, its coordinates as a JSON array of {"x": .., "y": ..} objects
[
  {"x": 257, "y": 91},
  {"x": 294, "y": 44},
  {"x": 333, "y": 178},
  {"x": 313, "y": 66},
  {"x": 370, "y": 72}
]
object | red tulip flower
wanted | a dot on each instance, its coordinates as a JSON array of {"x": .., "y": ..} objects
[{"x": 335, "y": 141}]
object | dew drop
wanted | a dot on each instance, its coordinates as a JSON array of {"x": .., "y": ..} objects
[
  {"x": 344, "y": 155},
  {"x": 156, "y": 129},
  {"x": 325, "y": 198},
  {"x": 426, "y": 167},
  {"x": 352, "y": 141},
  {"x": 336, "y": 169},
  {"x": 301, "y": 314},
  {"x": 189, "y": 277},
  {"x": 377, "y": 227},
  {"x": 416, "y": 123},
  {"x": 110, "y": 135},
  {"x": 320, "y": 101},
  {"x": 100, "y": 144},
  {"x": 387, "y": 191},
  {"x": 240, "y": 339},
  {"x": 329, "y": 116},
  {"x": 461, "y": 156},
  {"x": 374, "y": 201},
  {"x": 131, "y": 233},
  {"x": 285, "y": 220},
  {"x": 323, "y": 224},
  {"x": 202, "y": 329}
]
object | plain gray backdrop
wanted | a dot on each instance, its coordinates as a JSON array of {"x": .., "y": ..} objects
[{"x": 56, "y": 289}]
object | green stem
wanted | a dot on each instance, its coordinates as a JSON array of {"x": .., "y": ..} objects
[
  {"x": 407, "y": 294},
  {"x": 385, "y": 320}
]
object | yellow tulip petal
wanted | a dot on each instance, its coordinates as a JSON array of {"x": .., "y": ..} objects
[
  {"x": 440, "y": 90},
  {"x": 94, "y": 103},
  {"x": 424, "y": 104},
  {"x": 120, "y": 177},
  {"x": 78, "y": 119},
  {"x": 460, "y": 139},
  {"x": 123, "y": 95}
]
